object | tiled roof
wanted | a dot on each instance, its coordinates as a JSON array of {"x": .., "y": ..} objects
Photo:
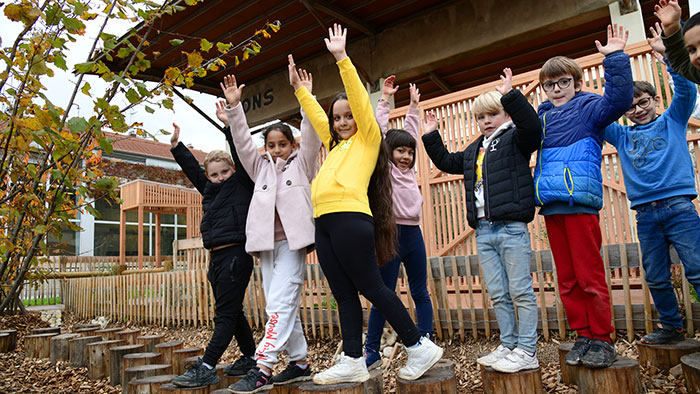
[{"x": 143, "y": 146}]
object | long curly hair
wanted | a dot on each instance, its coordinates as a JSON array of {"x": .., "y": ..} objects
[{"x": 379, "y": 194}]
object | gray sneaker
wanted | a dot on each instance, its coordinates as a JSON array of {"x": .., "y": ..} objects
[
  {"x": 197, "y": 375},
  {"x": 240, "y": 367},
  {"x": 578, "y": 351}
]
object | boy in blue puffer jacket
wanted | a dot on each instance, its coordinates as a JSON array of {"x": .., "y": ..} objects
[{"x": 569, "y": 188}]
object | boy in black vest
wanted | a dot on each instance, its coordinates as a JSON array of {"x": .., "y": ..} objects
[
  {"x": 500, "y": 203},
  {"x": 226, "y": 192}
]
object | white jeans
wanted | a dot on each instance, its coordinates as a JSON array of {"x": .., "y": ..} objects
[{"x": 283, "y": 280}]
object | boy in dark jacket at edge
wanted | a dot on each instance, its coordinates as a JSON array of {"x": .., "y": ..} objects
[{"x": 226, "y": 193}]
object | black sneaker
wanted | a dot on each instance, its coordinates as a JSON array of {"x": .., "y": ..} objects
[
  {"x": 578, "y": 351},
  {"x": 292, "y": 374},
  {"x": 254, "y": 381},
  {"x": 601, "y": 354},
  {"x": 240, "y": 367},
  {"x": 197, "y": 375},
  {"x": 663, "y": 335}
]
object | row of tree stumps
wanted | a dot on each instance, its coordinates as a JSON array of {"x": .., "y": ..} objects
[{"x": 622, "y": 377}]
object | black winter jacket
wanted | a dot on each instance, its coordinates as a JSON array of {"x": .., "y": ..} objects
[
  {"x": 225, "y": 204},
  {"x": 508, "y": 185}
]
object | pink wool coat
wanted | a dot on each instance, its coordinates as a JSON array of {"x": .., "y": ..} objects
[{"x": 284, "y": 185}]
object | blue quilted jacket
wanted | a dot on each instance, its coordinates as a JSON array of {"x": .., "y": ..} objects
[{"x": 567, "y": 174}]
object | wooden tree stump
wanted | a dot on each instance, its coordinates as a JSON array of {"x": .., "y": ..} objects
[
  {"x": 438, "y": 379},
  {"x": 142, "y": 358},
  {"x": 167, "y": 349},
  {"x": 116, "y": 354},
  {"x": 180, "y": 355},
  {"x": 10, "y": 340},
  {"x": 528, "y": 381},
  {"x": 89, "y": 325},
  {"x": 150, "y": 341},
  {"x": 171, "y": 388},
  {"x": 143, "y": 371},
  {"x": 59, "y": 347},
  {"x": 150, "y": 385},
  {"x": 667, "y": 356},
  {"x": 4, "y": 342},
  {"x": 108, "y": 334},
  {"x": 98, "y": 358},
  {"x": 88, "y": 331},
  {"x": 224, "y": 380},
  {"x": 292, "y": 388},
  {"x": 568, "y": 374},
  {"x": 372, "y": 386},
  {"x": 38, "y": 345},
  {"x": 691, "y": 370},
  {"x": 128, "y": 336},
  {"x": 45, "y": 330},
  {"x": 77, "y": 348},
  {"x": 621, "y": 377}
]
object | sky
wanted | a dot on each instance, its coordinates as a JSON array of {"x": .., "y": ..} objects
[{"x": 195, "y": 130}]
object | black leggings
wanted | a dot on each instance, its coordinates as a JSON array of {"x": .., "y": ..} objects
[
  {"x": 345, "y": 249},
  {"x": 229, "y": 274}
]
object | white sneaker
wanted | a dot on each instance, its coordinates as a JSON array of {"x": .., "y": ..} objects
[
  {"x": 517, "y": 360},
  {"x": 345, "y": 369},
  {"x": 489, "y": 359},
  {"x": 420, "y": 359}
]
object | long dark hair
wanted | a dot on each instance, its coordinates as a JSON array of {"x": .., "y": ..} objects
[{"x": 379, "y": 195}]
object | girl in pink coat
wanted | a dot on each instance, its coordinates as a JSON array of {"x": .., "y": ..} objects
[{"x": 280, "y": 229}]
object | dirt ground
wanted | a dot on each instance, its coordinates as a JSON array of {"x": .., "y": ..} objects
[{"x": 23, "y": 375}]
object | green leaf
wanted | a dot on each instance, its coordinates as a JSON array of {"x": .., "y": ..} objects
[
  {"x": 86, "y": 89},
  {"x": 121, "y": 80},
  {"x": 60, "y": 62},
  {"x": 84, "y": 67},
  {"x": 132, "y": 96},
  {"x": 107, "y": 183},
  {"x": 176, "y": 41},
  {"x": 223, "y": 48},
  {"x": 168, "y": 103},
  {"x": 205, "y": 45},
  {"x": 123, "y": 52},
  {"x": 77, "y": 125},
  {"x": 149, "y": 109},
  {"x": 53, "y": 15},
  {"x": 73, "y": 24},
  {"x": 106, "y": 145},
  {"x": 143, "y": 90}
]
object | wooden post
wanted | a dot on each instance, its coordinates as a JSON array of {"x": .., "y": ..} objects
[
  {"x": 621, "y": 377},
  {"x": 122, "y": 237},
  {"x": 38, "y": 345},
  {"x": 87, "y": 331},
  {"x": 11, "y": 340},
  {"x": 691, "y": 370},
  {"x": 77, "y": 327},
  {"x": 139, "y": 247},
  {"x": 77, "y": 348},
  {"x": 666, "y": 356},
  {"x": 59, "y": 347},
  {"x": 150, "y": 341},
  {"x": 171, "y": 388},
  {"x": 373, "y": 385},
  {"x": 150, "y": 385},
  {"x": 166, "y": 349},
  {"x": 45, "y": 330},
  {"x": 180, "y": 355},
  {"x": 5, "y": 341},
  {"x": 224, "y": 380},
  {"x": 128, "y": 336},
  {"x": 116, "y": 354},
  {"x": 98, "y": 358},
  {"x": 158, "y": 238},
  {"x": 438, "y": 379},
  {"x": 293, "y": 388},
  {"x": 143, "y": 371},
  {"x": 109, "y": 334}
]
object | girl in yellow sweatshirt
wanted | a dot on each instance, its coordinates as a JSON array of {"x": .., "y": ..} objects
[{"x": 346, "y": 214}]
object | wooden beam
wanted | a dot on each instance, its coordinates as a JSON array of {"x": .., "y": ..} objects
[
  {"x": 197, "y": 109},
  {"x": 158, "y": 239},
  {"x": 343, "y": 16},
  {"x": 122, "y": 237},
  {"x": 315, "y": 14},
  {"x": 439, "y": 82}
]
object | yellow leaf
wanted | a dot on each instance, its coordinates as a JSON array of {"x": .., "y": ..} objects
[{"x": 194, "y": 59}]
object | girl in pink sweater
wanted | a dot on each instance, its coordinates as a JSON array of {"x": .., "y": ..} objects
[{"x": 407, "y": 202}]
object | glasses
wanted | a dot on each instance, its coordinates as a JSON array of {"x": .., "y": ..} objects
[
  {"x": 643, "y": 104},
  {"x": 563, "y": 83}
]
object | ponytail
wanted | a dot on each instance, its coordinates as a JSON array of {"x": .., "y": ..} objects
[{"x": 380, "y": 202}]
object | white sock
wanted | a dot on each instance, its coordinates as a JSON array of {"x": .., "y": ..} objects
[{"x": 207, "y": 365}]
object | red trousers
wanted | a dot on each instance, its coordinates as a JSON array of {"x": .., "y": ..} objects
[{"x": 575, "y": 241}]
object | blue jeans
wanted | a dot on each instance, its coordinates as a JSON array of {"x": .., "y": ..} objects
[
  {"x": 411, "y": 250},
  {"x": 672, "y": 221},
  {"x": 504, "y": 254}
]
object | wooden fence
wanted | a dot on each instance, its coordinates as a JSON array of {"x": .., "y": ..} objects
[{"x": 184, "y": 297}]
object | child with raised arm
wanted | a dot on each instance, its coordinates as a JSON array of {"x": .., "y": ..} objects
[
  {"x": 660, "y": 183},
  {"x": 500, "y": 203},
  {"x": 226, "y": 192},
  {"x": 569, "y": 188},
  {"x": 280, "y": 229},
  {"x": 407, "y": 202},
  {"x": 682, "y": 44},
  {"x": 349, "y": 210}
]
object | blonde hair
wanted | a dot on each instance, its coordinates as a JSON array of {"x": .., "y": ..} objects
[
  {"x": 487, "y": 103},
  {"x": 218, "y": 155},
  {"x": 559, "y": 66}
]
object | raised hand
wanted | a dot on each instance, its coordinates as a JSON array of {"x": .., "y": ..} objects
[
  {"x": 415, "y": 95},
  {"x": 617, "y": 39},
  {"x": 336, "y": 42},
  {"x": 307, "y": 79},
  {"x": 430, "y": 122},
  {"x": 299, "y": 78},
  {"x": 175, "y": 138},
  {"x": 507, "y": 81},
  {"x": 655, "y": 41},
  {"x": 669, "y": 13},
  {"x": 221, "y": 112},
  {"x": 231, "y": 90},
  {"x": 388, "y": 89}
]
